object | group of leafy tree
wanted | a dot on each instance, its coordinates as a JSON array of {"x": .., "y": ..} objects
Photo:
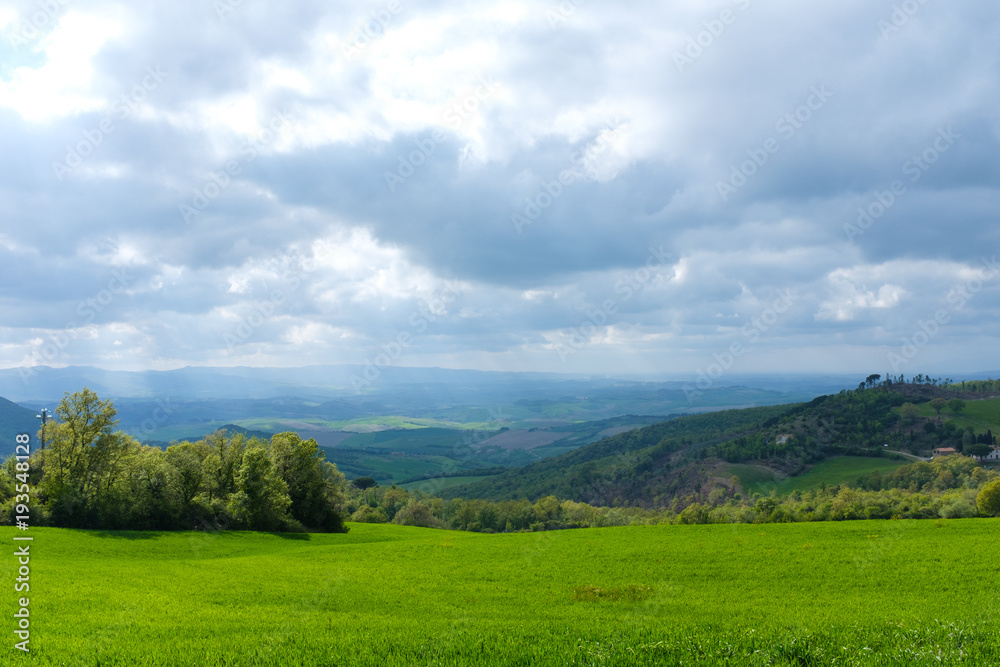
[
  {"x": 948, "y": 487},
  {"x": 941, "y": 474},
  {"x": 932, "y": 434},
  {"x": 954, "y": 405},
  {"x": 978, "y": 386},
  {"x": 396, "y": 505},
  {"x": 858, "y": 422},
  {"x": 93, "y": 476},
  {"x": 852, "y": 422},
  {"x": 920, "y": 378}
]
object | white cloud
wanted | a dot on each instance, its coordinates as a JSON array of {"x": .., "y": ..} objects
[
  {"x": 64, "y": 84},
  {"x": 310, "y": 214}
]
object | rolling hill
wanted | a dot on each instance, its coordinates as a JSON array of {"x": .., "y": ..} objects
[
  {"x": 762, "y": 448},
  {"x": 628, "y": 468},
  {"x": 13, "y": 420}
]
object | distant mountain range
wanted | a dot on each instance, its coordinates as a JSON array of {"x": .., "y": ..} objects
[
  {"x": 43, "y": 383},
  {"x": 15, "y": 419}
]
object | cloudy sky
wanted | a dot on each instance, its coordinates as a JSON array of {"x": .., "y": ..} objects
[{"x": 671, "y": 187}]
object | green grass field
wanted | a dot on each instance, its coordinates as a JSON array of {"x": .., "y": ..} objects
[
  {"x": 278, "y": 425},
  {"x": 837, "y": 470},
  {"x": 395, "y": 469},
  {"x": 981, "y": 414},
  {"x": 866, "y": 592},
  {"x": 832, "y": 471},
  {"x": 753, "y": 478},
  {"x": 436, "y": 484}
]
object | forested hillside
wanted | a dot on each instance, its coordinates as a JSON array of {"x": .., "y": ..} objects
[
  {"x": 649, "y": 467},
  {"x": 13, "y": 420},
  {"x": 626, "y": 468}
]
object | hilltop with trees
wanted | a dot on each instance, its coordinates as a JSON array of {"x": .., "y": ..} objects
[{"x": 651, "y": 466}]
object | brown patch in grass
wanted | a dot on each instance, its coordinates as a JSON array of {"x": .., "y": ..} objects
[{"x": 630, "y": 593}]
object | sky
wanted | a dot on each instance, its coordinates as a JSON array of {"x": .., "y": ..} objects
[{"x": 682, "y": 187}]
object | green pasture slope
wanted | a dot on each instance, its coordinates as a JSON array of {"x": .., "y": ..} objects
[
  {"x": 832, "y": 471},
  {"x": 435, "y": 484},
  {"x": 981, "y": 414},
  {"x": 864, "y": 593}
]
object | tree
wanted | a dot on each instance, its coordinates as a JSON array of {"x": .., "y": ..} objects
[
  {"x": 393, "y": 500},
  {"x": 908, "y": 413},
  {"x": 417, "y": 514},
  {"x": 547, "y": 509},
  {"x": 187, "y": 464},
  {"x": 150, "y": 498},
  {"x": 261, "y": 499},
  {"x": 956, "y": 405},
  {"x": 85, "y": 459},
  {"x": 315, "y": 486},
  {"x": 988, "y": 500},
  {"x": 968, "y": 439},
  {"x": 938, "y": 404},
  {"x": 977, "y": 449},
  {"x": 223, "y": 461},
  {"x": 364, "y": 483},
  {"x": 368, "y": 514}
]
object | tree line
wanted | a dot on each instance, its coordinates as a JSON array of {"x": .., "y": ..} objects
[
  {"x": 93, "y": 476},
  {"x": 948, "y": 487}
]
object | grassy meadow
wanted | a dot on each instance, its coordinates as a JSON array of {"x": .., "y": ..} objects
[
  {"x": 981, "y": 414},
  {"x": 832, "y": 471},
  {"x": 436, "y": 484},
  {"x": 863, "y": 592}
]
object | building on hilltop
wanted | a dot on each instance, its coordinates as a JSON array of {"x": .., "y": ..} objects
[{"x": 783, "y": 439}]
